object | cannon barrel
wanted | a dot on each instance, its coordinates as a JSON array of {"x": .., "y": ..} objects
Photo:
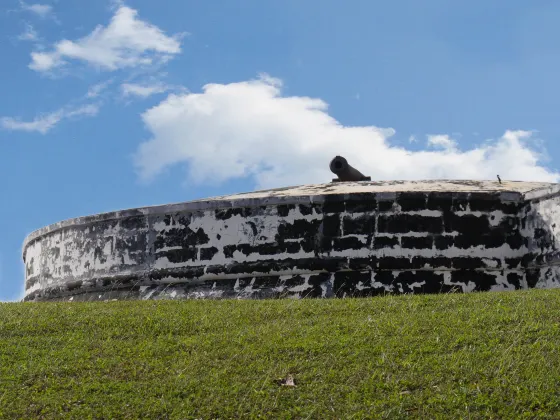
[{"x": 342, "y": 169}]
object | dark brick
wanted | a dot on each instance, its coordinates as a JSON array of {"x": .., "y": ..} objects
[
  {"x": 284, "y": 209},
  {"x": 345, "y": 282},
  {"x": 510, "y": 208},
  {"x": 414, "y": 242},
  {"x": 460, "y": 201},
  {"x": 229, "y": 250},
  {"x": 225, "y": 214},
  {"x": 170, "y": 238},
  {"x": 467, "y": 241},
  {"x": 350, "y": 242},
  {"x": 331, "y": 225},
  {"x": 361, "y": 203},
  {"x": 442, "y": 242},
  {"x": 363, "y": 225},
  {"x": 492, "y": 240},
  {"x": 380, "y": 242},
  {"x": 321, "y": 244},
  {"x": 470, "y": 224},
  {"x": 198, "y": 237},
  {"x": 532, "y": 276},
  {"x": 290, "y": 247},
  {"x": 386, "y": 205},
  {"x": 430, "y": 262},
  {"x": 515, "y": 279},
  {"x": 412, "y": 201},
  {"x": 301, "y": 228},
  {"x": 468, "y": 263},
  {"x": 439, "y": 201},
  {"x": 484, "y": 202},
  {"x": 315, "y": 282},
  {"x": 361, "y": 264},
  {"x": 483, "y": 281},
  {"x": 394, "y": 263},
  {"x": 208, "y": 253},
  {"x": 306, "y": 209},
  {"x": 266, "y": 249},
  {"x": 513, "y": 263},
  {"x": 433, "y": 282},
  {"x": 245, "y": 249},
  {"x": 508, "y": 223},
  {"x": 404, "y": 223},
  {"x": 330, "y": 264},
  {"x": 516, "y": 240},
  {"x": 177, "y": 256},
  {"x": 294, "y": 281},
  {"x": 312, "y": 244},
  {"x": 384, "y": 277},
  {"x": 542, "y": 238},
  {"x": 334, "y": 204}
]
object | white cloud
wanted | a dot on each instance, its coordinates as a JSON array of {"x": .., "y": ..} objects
[
  {"x": 30, "y": 34},
  {"x": 250, "y": 129},
  {"x": 96, "y": 90},
  {"x": 46, "y": 122},
  {"x": 442, "y": 141},
  {"x": 126, "y": 42},
  {"x": 143, "y": 90},
  {"x": 41, "y": 10}
]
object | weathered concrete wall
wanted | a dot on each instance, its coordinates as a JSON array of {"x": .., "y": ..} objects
[
  {"x": 362, "y": 243},
  {"x": 540, "y": 221}
]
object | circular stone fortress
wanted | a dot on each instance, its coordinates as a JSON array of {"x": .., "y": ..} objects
[{"x": 353, "y": 237}]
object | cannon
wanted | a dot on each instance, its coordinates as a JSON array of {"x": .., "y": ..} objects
[{"x": 342, "y": 169}]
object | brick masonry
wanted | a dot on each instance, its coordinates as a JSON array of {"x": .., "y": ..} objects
[{"x": 316, "y": 245}]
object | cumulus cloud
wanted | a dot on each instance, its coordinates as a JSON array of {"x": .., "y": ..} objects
[
  {"x": 442, "y": 141},
  {"x": 249, "y": 129},
  {"x": 143, "y": 90},
  {"x": 46, "y": 122},
  {"x": 126, "y": 42}
]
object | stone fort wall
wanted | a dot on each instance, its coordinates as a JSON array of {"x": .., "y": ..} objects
[{"x": 359, "y": 244}]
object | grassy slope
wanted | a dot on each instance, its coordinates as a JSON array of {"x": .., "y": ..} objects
[{"x": 490, "y": 355}]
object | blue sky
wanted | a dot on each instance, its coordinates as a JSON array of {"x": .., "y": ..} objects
[{"x": 108, "y": 105}]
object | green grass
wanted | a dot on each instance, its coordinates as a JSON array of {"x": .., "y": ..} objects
[{"x": 484, "y": 355}]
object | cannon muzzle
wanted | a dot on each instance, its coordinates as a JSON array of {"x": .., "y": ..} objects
[{"x": 341, "y": 168}]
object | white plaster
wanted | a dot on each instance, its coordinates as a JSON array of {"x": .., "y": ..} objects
[
  {"x": 417, "y": 284},
  {"x": 424, "y": 213},
  {"x": 491, "y": 263}
]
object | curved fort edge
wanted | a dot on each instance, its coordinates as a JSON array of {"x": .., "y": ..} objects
[{"x": 312, "y": 241}]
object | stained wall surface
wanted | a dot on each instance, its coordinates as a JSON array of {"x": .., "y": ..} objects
[{"x": 357, "y": 239}]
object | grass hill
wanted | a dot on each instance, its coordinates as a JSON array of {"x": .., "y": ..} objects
[{"x": 481, "y": 355}]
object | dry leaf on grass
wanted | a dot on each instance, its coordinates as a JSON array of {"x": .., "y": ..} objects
[{"x": 288, "y": 381}]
